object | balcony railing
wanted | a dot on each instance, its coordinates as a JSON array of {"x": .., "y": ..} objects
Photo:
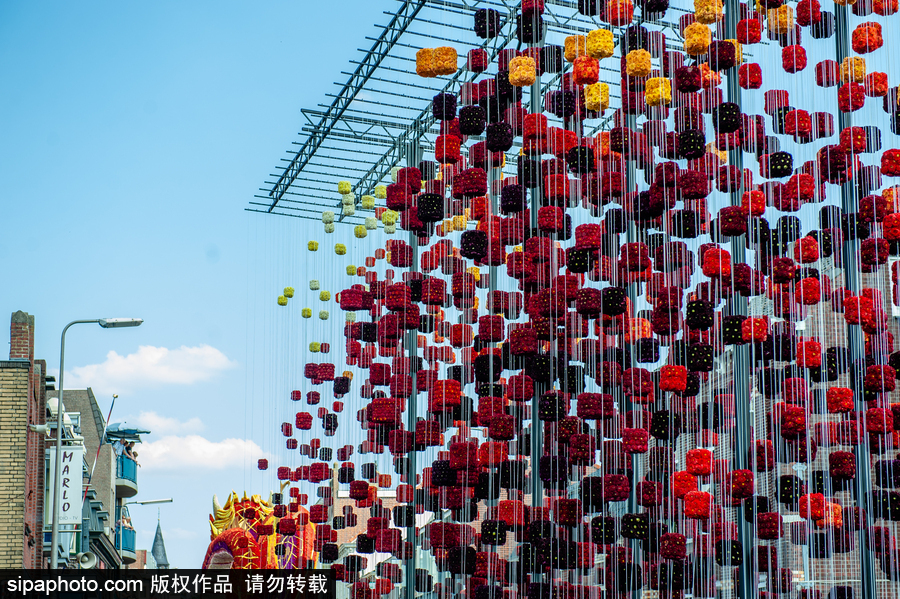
[
  {"x": 126, "y": 477},
  {"x": 126, "y": 468},
  {"x": 125, "y": 541}
]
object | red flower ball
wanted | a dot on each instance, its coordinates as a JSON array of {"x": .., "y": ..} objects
[
  {"x": 839, "y": 400},
  {"x": 749, "y": 31},
  {"x": 793, "y": 58},
  {"x": 750, "y": 76},
  {"x": 890, "y": 163},
  {"x": 697, "y": 505},
  {"x": 769, "y": 526},
  {"x": 851, "y": 97},
  {"x": 698, "y": 462}
]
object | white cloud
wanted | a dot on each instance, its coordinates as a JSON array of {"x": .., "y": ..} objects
[
  {"x": 150, "y": 366},
  {"x": 164, "y": 425},
  {"x": 173, "y": 453}
]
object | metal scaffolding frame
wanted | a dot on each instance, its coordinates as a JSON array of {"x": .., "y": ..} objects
[{"x": 383, "y": 106}]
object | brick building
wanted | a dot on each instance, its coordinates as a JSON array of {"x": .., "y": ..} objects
[
  {"x": 98, "y": 529},
  {"x": 23, "y": 397},
  {"x": 28, "y": 408}
]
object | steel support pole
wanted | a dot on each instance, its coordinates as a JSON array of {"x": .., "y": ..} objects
[
  {"x": 536, "y": 438},
  {"x": 738, "y": 306},
  {"x": 632, "y": 235},
  {"x": 411, "y": 339},
  {"x": 54, "y": 535},
  {"x": 120, "y": 530},
  {"x": 855, "y": 341}
]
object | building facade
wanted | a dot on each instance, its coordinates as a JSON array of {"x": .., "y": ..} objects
[
  {"x": 23, "y": 396},
  {"x": 28, "y": 414}
]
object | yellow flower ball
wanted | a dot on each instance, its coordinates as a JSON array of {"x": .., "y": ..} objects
[
  {"x": 347, "y": 374},
  {"x": 708, "y": 11},
  {"x": 282, "y": 301},
  {"x": 781, "y": 19},
  {"x": 596, "y": 96},
  {"x": 368, "y": 202},
  {"x": 445, "y": 60},
  {"x": 738, "y": 51},
  {"x": 351, "y": 270},
  {"x": 288, "y": 292},
  {"x": 576, "y": 45},
  {"x": 313, "y": 246},
  {"x": 306, "y": 313},
  {"x": 389, "y": 217},
  {"x": 340, "y": 249},
  {"x": 323, "y": 314},
  {"x": 637, "y": 63},
  {"x": 460, "y": 223},
  {"x": 522, "y": 71},
  {"x": 475, "y": 272},
  {"x": 344, "y": 187},
  {"x": 658, "y": 91},
  {"x": 711, "y": 148},
  {"x": 600, "y": 43},
  {"x": 697, "y": 38},
  {"x": 324, "y": 296},
  {"x": 315, "y": 347},
  {"x": 359, "y": 231},
  {"x": 853, "y": 69},
  {"x": 381, "y": 192},
  {"x": 892, "y": 197},
  {"x": 425, "y": 64}
]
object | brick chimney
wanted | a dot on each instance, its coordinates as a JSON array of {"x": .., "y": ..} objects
[{"x": 21, "y": 337}]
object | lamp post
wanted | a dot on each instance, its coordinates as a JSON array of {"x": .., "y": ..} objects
[
  {"x": 122, "y": 520},
  {"x": 106, "y": 323}
]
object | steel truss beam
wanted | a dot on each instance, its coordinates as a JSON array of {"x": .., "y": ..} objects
[
  {"x": 349, "y": 120},
  {"x": 404, "y": 17}
]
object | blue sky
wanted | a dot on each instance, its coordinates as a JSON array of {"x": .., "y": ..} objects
[
  {"x": 132, "y": 136},
  {"x": 131, "y": 139}
]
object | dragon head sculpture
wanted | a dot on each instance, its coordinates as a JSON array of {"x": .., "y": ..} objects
[{"x": 244, "y": 535}]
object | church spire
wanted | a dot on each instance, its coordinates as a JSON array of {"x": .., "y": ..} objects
[{"x": 158, "y": 551}]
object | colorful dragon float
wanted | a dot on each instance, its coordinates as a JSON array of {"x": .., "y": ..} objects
[{"x": 245, "y": 534}]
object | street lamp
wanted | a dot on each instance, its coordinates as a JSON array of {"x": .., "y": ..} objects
[
  {"x": 121, "y": 521},
  {"x": 106, "y": 323}
]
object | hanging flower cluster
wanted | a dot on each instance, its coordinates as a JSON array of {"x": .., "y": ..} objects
[{"x": 585, "y": 273}]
